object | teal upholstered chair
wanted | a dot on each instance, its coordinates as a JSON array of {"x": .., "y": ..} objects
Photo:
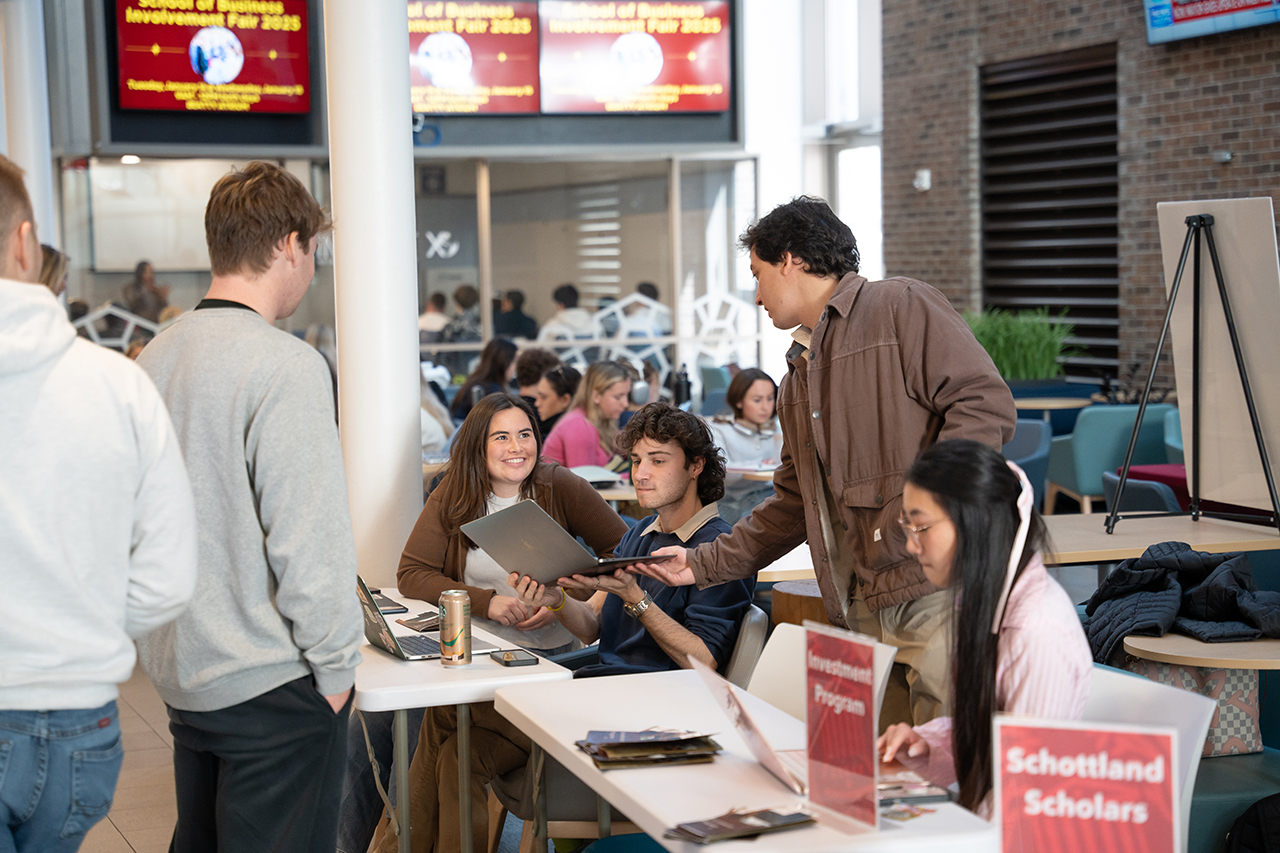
[
  {"x": 1098, "y": 444},
  {"x": 1173, "y": 436},
  {"x": 1029, "y": 449}
]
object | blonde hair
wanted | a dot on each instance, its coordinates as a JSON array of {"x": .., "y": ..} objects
[{"x": 599, "y": 377}]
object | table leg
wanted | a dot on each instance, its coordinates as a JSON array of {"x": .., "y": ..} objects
[
  {"x": 400, "y": 733},
  {"x": 603, "y": 816},
  {"x": 538, "y": 757},
  {"x": 464, "y": 777}
]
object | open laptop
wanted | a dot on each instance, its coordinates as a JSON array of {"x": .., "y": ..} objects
[
  {"x": 412, "y": 647},
  {"x": 525, "y": 540}
]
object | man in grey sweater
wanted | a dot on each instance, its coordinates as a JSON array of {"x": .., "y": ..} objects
[{"x": 258, "y": 673}]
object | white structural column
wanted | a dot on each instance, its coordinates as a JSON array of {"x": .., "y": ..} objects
[
  {"x": 26, "y": 106},
  {"x": 375, "y": 272}
]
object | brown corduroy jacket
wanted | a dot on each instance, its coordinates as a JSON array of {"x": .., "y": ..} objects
[
  {"x": 433, "y": 562},
  {"x": 892, "y": 368}
]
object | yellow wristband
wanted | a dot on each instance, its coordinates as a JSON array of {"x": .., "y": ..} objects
[{"x": 559, "y": 606}]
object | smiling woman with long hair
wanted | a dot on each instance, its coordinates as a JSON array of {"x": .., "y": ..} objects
[{"x": 1018, "y": 644}]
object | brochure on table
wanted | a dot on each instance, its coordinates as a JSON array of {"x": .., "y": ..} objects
[
  {"x": 840, "y": 667},
  {"x": 1066, "y": 786}
]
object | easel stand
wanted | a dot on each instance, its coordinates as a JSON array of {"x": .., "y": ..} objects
[{"x": 1197, "y": 227}]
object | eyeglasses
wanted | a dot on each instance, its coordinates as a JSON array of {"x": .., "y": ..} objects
[{"x": 913, "y": 531}]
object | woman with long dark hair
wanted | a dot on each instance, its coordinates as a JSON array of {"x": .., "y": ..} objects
[
  {"x": 493, "y": 464},
  {"x": 493, "y": 374},
  {"x": 970, "y": 520}
]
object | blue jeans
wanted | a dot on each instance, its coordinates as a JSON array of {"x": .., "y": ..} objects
[{"x": 58, "y": 772}]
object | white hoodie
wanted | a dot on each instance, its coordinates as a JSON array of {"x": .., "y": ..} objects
[{"x": 97, "y": 523}]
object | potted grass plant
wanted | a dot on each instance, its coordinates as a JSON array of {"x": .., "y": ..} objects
[{"x": 1026, "y": 346}]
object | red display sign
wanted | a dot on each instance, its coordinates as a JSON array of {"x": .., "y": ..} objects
[
  {"x": 473, "y": 57},
  {"x": 842, "y": 723},
  {"x": 1190, "y": 10},
  {"x": 1071, "y": 787},
  {"x": 214, "y": 55},
  {"x": 630, "y": 57}
]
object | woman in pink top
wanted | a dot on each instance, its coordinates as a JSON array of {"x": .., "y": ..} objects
[
  {"x": 1019, "y": 648},
  {"x": 585, "y": 435}
]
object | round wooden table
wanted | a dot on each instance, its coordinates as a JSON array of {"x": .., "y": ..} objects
[
  {"x": 796, "y": 601},
  {"x": 1049, "y": 404},
  {"x": 759, "y": 476},
  {"x": 1188, "y": 651}
]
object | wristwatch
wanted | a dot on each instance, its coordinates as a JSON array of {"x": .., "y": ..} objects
[{"x": 637, "y": 610}]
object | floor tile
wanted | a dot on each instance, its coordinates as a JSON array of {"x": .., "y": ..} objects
[
  {"x": 155, "y": 840},
  {"x": 105, "y": 838},
  {"x": 139, "y": 758},
  {"x": 144, "y": 817},
  {"x": 141, "y": 796}
]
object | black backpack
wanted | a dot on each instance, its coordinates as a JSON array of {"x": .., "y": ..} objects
[{"x": 1258, "y": 829}]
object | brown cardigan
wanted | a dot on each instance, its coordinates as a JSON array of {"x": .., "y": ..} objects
[{"x": 433, "y": 562}]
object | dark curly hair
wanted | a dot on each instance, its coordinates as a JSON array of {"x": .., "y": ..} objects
[
  {"x": 663, "y": 422},
  {"x": 808, "y": 229}
]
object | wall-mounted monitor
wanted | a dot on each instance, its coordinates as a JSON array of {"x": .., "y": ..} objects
[
  {"x": 632, "y": 57},
  {"x": 228, "y": 56},
  {"x": 473, "y": 58},
  {"x": 1170, "y": 20}
]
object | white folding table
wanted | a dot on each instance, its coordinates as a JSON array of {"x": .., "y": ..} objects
[
  {"x": 386, "y": 683},
  {"x": 657, "y": 798}
]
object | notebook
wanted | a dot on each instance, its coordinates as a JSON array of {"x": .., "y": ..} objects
[
  {"x": 525, "y": 540},
  {"x": 415, "y": 647}
]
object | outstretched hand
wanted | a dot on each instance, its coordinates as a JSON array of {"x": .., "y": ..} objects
[
  {"x": 673, "y": 572},
  {"x": 620, "y": 583}
]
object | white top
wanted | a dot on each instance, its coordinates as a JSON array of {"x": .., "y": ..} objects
[
  {"x": 483, "y": 571},
  {"x": 744, "y": 446},
  {"x": 97, "y": 526}
]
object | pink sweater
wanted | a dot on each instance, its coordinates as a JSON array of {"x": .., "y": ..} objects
[
  {"x": 1043, "y": 669},
  {"x": 574, "y": 441}
]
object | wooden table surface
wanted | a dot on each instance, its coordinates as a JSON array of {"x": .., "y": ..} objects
[
  {"x": 1052, "y": 402},
  {"x": 1084, "y": 539},
  {"x": 1188, "y": 651}
]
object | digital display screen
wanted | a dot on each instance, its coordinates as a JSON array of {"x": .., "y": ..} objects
[
  {"x": 1170, "y": 20},
  {"x": 473, "y": 58},
  {"x": 214, "y": 55},
  {"x": 630, "y": 57}
]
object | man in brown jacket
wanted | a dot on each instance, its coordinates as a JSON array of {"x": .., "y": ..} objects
[{"x": 879, "y": 371}]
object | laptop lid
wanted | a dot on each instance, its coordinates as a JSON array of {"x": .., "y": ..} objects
[
  {"x": 376, "y": 630},
  {"x": 525, "y": 540},
  {"x": 727, "y": 699}
]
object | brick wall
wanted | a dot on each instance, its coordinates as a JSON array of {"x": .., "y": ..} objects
[{"x": 1177, "y": 103}]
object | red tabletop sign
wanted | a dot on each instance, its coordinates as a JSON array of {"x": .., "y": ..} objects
[
  {"x": 633, "y": 57},
  {"x": 213, "y": 55},
  {"x": 842, "y": 722},
  {"x": 1075, "y": 786},
  {"x": 473, "y": 57}
]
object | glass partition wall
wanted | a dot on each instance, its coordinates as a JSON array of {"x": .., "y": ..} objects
[{"x": 648, "y": 246}]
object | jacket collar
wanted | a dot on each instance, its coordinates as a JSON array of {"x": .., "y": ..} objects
[
  {"x": 685, "y": 531},
  {"x": 847, "y": 290}
]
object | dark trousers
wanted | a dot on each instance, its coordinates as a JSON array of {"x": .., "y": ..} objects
[{"x": 264, "y": 775}]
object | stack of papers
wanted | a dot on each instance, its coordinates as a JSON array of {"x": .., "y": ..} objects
[
  {"x": 612, "y": 750},
  {"x": 601, "y": 478},
  {"x": 739, "y": 825}
]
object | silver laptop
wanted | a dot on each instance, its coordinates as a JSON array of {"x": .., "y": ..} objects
[
  {"x": 413, "y": 647},
  {"x": 525, "y": 540}
]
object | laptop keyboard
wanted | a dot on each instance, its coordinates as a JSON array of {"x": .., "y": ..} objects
[{"x": 417, "y": 644}]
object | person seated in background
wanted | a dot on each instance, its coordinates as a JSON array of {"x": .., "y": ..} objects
[
  {"x": 511, "y": 320},
  {"x": 433, "y": 319},
  {"x": 531, "y": 364},
  {"x": 465, "y": 325},
  {"x": 143, "y": 296},
  {"x": 435, "y": 423},
  {"x": 750, "y": 438},
  {"x": 586, "y": 433},
  {"x": 494, "y": 464},
  {"x": 53, "y": 269},
  {"x": 568, "y": 315},
  {"x": 492, "y": 375},
  {"x": 648, "y": 320},
  {"x": 1018, "y": 647},
  {"x": 553, "y": 395}
]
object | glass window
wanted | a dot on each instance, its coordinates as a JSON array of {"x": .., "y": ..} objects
[{"x": 859, "y": 205}]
